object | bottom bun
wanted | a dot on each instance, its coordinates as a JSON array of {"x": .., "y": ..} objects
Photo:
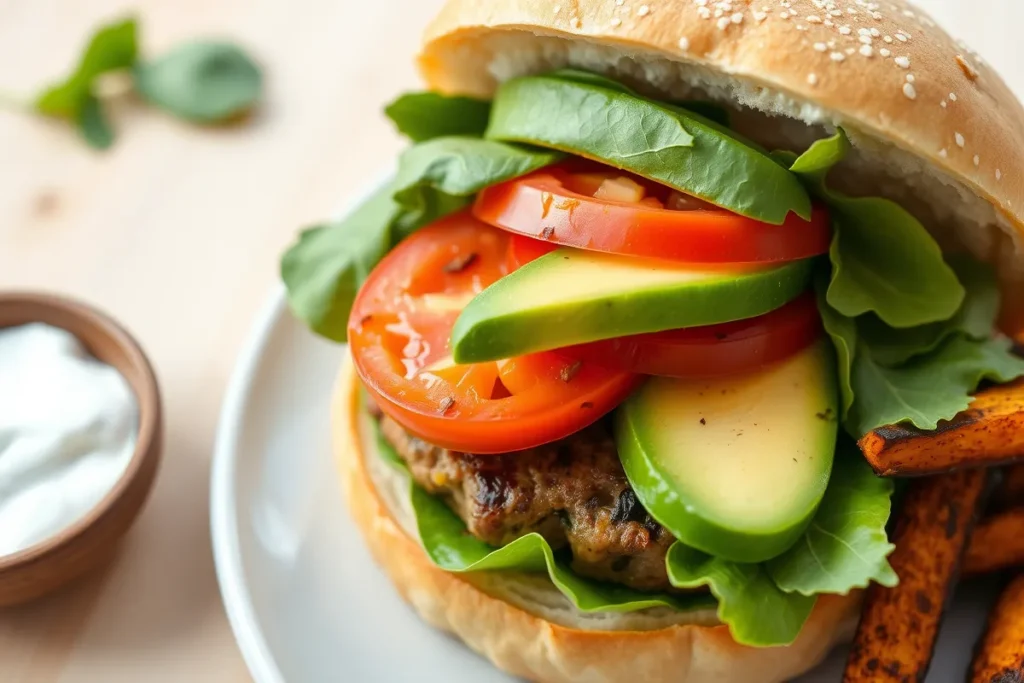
[{"x": 525, "y": 627}]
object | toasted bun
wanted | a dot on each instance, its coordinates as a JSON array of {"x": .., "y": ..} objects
[
  {"x": 933, "y": 127},
  {"x": 524, "y": 626}
]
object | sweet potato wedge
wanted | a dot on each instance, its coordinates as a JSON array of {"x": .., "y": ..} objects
[
  {"x": 999, "y": 657},
  {"x": 996, "y": 544},
  {"x": 990, "y": 432},
  {"x": 1010, "y": 492},
  {"x": 898, "y": 626}
]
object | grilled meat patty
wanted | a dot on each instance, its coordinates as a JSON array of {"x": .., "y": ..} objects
[{"x": 573, "y": 492}]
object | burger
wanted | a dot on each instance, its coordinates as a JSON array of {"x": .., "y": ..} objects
[{"x": 643, "y": 276}]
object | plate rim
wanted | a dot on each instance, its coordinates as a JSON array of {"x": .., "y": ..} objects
[{"x": 227, "y": 555}]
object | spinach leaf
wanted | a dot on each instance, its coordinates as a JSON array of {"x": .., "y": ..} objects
[
  {"x": 883, "y": 259},
  {"x": 203, "y": 81},
  {"x": 423, "y": 116},
  {"x": 323, "y": 270},
  {"x": 709, "y": 110},
  {"x": 92, "y": 124},
  {"x": 660, "y": 142},
  {"x": 451, "y": 548},
  {"x": 843, "y": 332},
  {"x": 929, "y": 388},
  {"x": 461, "y": 167},
  {"x": 590, "y": 78},
  {"x": 846, "y": 544},
  {"x": 975, "y": 319},
  {"x": 757, "y": 612},
  {"x": 112, "y": 47}
]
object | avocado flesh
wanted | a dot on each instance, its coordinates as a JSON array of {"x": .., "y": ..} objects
[
  {"x": 572, "y": 296},
  {"x": 736, "y": 466}
]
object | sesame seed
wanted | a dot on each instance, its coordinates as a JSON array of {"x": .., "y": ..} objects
[
  {"x": 867, "y": 50},
  {"x": 902, "y": 62},
  {"x": 875, "y": 33},
  {"x": 884, "y": 52},
  {"x": 643, "y": 11},
  {"x": 887, "y": 39},
  {"x": 977, "y": 160},
  {"x": 952, "y": 96},
  {"x": 704, "y": 12},
  {"x": 820, "y": 47},
  {"x": 684, "y": 43},
  {"x": 620, "y": 3},
  {"x": 850, "y": 50},
  {"x": 943, "y": 104},
  {"x": 910, "y": 78},
  {"x": 999, "y": 174},
  {"x": 723, "y": 23},
  {"x": 783, "y": 14},
  {"x": 812, "y": 79},
  {"x": 967, "y": 68},
  {"x": 828, "y": 22},
  {"x": 558, "y": 8},
  {"x": 865, "y": 39},
  {"x": 813, "y": 19},
  {"x": 616, "y": 22},
  {"x": 845, "y": 30},
  {"x": 760, "y": 16},
  {"x": 737, "y": 17},
  {"x": 837, "y": 56},
  {"x": 910, "y": 91},
  {"x": 900, "y": 37},
  {"x": 863, "y": 32},
  {"x": 959, "y": 140},
  {"x": 943, "y": 153}
]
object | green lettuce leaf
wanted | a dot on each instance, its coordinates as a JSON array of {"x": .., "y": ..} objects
[
  {"x": 423, "y": 116},
  {"x": 586, "y": 116},
  {"x": 323, "y": 270},
  {"x": 929, "y": 388},
  {"x": 757, "y": 612},
  {"x": 883, "y": 259},
  {"x": 451, "y": 548},
  {"x": 843, "y": 332},
  {"x": 846, "y": 544},
  {"x": 975, "y": 319},
  {"x": 461, "y": 167}
]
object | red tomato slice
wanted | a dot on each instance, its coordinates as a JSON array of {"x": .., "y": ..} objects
[
  {"x": 711, "y": 351},
  {"x": 557, "y": 206},
  {"x": 398, "y": 334}
]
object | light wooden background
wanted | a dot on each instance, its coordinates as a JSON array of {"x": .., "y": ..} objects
[{"x": 177, "y": 232}]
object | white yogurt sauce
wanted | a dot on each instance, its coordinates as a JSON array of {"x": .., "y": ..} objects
[{"x": 68, "y": 427}]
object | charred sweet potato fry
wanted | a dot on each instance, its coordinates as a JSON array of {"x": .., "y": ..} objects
[
  {"x": 999, "y": 657},
  {"x": 1010, "y": 492},
  {"x": 990, "y": 432},
  {"x": 997, "y": 543},
  {"x": 898, "y": 626}
]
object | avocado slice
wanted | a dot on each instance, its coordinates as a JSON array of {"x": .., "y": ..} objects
[
  {"x": 586, "y": 116},
  {"x": 572, "y": 296},
  {"x": 737, "y": 466}
]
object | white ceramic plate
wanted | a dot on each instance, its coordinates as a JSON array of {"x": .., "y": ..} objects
[{"x": 305, "y": 600}]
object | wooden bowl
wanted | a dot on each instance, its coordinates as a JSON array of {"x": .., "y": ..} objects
[{"x": 92, "y": 540}]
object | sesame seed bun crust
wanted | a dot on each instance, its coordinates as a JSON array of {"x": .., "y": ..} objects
[
  {"x": 923, "y": 109},
  {"x": 570, "y": 647}
]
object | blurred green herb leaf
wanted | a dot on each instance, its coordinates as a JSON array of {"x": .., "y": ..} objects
[
  {"x": 92, "y": 124},
  {"x": 112, "y": 47},
  {"x": 202, "y": 81}
]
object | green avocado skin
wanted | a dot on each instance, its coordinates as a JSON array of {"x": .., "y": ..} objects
[
  {"x": 525, "y": 311},
  {"x": 706, "y": 520}
]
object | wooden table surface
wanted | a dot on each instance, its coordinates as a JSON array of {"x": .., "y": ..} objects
[{"x": 177, "y": 233}]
